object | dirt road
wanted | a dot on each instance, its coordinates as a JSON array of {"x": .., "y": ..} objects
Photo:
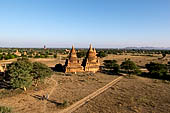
[{"x": 89, "y": 97}]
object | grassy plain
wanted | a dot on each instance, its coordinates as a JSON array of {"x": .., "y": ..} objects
[{"x": 136, "y": 94}]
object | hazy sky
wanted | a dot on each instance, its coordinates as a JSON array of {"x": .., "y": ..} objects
[{"x": 104, "y": 23}]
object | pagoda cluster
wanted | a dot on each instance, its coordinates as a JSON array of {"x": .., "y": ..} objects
[{"x": 89, "y": 64}]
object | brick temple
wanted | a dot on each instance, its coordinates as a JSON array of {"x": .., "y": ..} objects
[
  {"x": 89, "y": 64},
  {"x": 72, "y": 64}
]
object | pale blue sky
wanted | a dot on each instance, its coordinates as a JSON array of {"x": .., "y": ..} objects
[{"x": 104, "y": 23}]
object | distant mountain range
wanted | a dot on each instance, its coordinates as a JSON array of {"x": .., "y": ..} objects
[{"x": 149, "y": 48}]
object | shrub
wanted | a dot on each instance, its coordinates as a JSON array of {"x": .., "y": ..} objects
[
  {"x": 4, "y": 109},
  {"x": 1, "y": 56},
  {"x": 129, "y": 66},
  {"x": 157, "y": 70},
  {"x": 9, "y": 56},
  {"x": 19, "y": 73},
  {"x": 112, "y": 66},
  {"x": 168, "y": 65},
  {"x": 6, "y": 57},
  {"x": 101, "y": 54},
  {"x": 22, "y": 72},
  {"x": 81, "y": 54},
  {"x": 42, "y": 56},
  {"x": 65, "y": 103},
  {"x": 40, "y": 71},
  {"x": 55, "y": 55},
  {"x": 37, "y": 56}
]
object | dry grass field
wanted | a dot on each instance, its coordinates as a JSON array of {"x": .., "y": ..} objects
[
  {"x": 69, "y": 89},
  {"x": 140, "y": 60},
  {"x": 130, "y": 95}
]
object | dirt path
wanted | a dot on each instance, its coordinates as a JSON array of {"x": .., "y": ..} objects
[
  {"x": 59, "y": 89},
  {"x": 83, "y": 101},
  {"x": 45, "y": 102}
]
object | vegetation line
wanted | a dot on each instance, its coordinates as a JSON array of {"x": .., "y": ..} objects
[{"x": 89, "y": 97}]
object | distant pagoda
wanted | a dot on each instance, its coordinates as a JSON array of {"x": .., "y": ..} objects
[
  {"x": 72, "y": 64},
  {"x": 45, "y": 47},
  {"x": 17, "y": 53},
  {"x": 91, "y": 62}
]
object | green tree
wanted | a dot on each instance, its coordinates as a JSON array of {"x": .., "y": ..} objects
[
  {"x": 163, "y": 55},
  {"x": 81, "y": 54},
  {"x": 55, "y": 55},
  {"x": 42, "y": 56},
  {"x": 11, "y": 56},
  {"x": 112, "y": 66},
  {"x": 40, "y": 71},
  {"x": 19, "y": 73},
  {"x": 1, "y": 56},
  {"x": 4, "y": 109},
  {"x": 46, "y": 56},
  {"x": 157, "y": 70},
  {"x": 6, "y": 57},
  {"x": 168, "y": 67},
  {"x": 37, "y": 56},
  {"x": 23, "y": 72},
  {"x": 129, "y": 66},
  {"x": 101, "y": 54}
]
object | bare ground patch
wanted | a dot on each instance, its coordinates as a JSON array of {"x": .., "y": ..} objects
[
  {"x": 140, "y": 95},
  {"x": 73, "y": 88},
  {"x": 69, "y": 90}
]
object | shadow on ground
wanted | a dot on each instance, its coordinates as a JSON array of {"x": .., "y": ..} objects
[
  {"x": 42, "y": 98},
  {"x": 148, "y": 75},
  {"x": 4, "y": 83},
  {"x": 108, "y": 72}
]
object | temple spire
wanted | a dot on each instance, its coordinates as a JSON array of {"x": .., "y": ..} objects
[
  {"x": 94, "y": 51},
  {"x": 73, "y": 49},
  {"x": 90, "y": 48}
]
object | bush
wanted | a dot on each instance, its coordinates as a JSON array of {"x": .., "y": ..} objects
[
  {"x": 42, "y": 56},
  {"x": 55, "y": 55},
  {"x": 6, "y": 57},
  {"x": 112, "y": 66},
  {"x": 157, "y": 70},
  {"x": 65, "y": 103},
  {"x": 36, "y": 56},
  {"x": 22, "y": 72},
  {"x": 9, "y": 56},
  {"x": 4, "y": 109},
  {"x": 163, "y": 54},
  {"x": 101, "y": 54},
  {"x": 1, "y": 56},
  {"x": 168, "y": 66},
  {"x": 129, "y": 66},
  {"x": 19, "y": 73},
  {"x": 81, "y": 54},
  {"x": 40, "y": 71}
]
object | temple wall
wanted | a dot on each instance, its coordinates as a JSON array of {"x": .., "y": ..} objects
[
  {"x": 70, "y": 69},
  {"x": 91, "y": 69}
]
